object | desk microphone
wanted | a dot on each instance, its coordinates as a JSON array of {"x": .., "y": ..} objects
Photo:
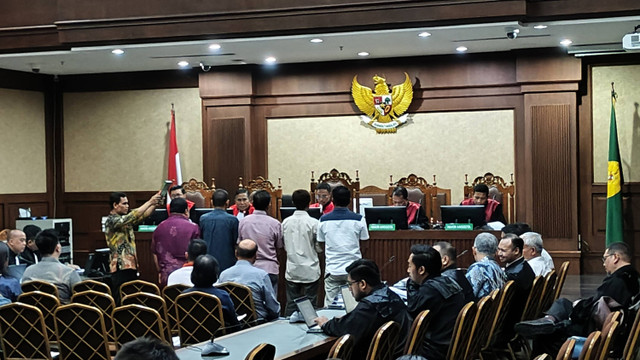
[
  {"x": 392, "y": 258},
  {"x": 462, "y": 253},
  {"x": 213, "y": 349}
]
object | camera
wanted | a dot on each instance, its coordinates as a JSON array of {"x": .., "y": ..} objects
[{"x": 512, "y": 33}]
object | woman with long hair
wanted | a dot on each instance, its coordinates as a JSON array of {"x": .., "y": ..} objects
[{"x": 9, "y": 286}]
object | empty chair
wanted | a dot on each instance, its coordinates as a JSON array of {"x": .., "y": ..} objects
[
  {"x": 562, "y": 276},
  {"x": 242, "y": 300},
  {"x": 416, "y": 335},
  {"x": 199, "y": 317},
  {"x": 566, "y": 351},
  {"x": 461, "y": 332},
  {"x": 153, "y": 301},
  {"x": 343, "y": 347},
  {"x": 47, "y": 304},
  {"x": 133, "y": 321},
  {"x": 37, "y": 285},
  {"x": 135, "y": 286},
  {"x": 503, "y": 299},
  {"x": 263, "y": 351},
  {"x": 23, "y": 333},
  {"x": 169, "y": 294},
  {"x": 101, "y": 301},
  {"x": 383, "y": 344},
  {"x": 92, "y": 285},
  {"x": 547, "y": 293},
  {"x": 81, "y": 333},
  {"x": 484, "y": 315}
]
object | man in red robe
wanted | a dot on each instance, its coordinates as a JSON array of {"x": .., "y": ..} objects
[
  {"x": 415, "y": 213},
  {"x": 242, "y": 206},
  {"x": 492, "y": 208}
]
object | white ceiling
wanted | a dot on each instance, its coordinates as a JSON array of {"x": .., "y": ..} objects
[{"x": 590, "y": 37}]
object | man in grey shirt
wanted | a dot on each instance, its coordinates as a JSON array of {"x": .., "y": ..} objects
[
  {"x": 243, "y": 272},
  {"x": 49, "y": 269}
]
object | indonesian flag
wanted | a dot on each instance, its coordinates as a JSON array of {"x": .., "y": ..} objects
[{"x": 175, "y": 174}]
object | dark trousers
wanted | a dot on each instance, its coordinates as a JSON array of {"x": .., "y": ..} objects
[
  {"x": 274, "y": 283},
  {"x": 298, "y": 290},
  {"x": 120, "y": 277}
]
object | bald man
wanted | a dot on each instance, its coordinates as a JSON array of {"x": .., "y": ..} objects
[
  {"x": 17, "y": 241},
  {"x": 243, "y": 272}
]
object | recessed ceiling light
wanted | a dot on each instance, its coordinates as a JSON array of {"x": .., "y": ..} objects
[
  {"x": 363, "y": 53},
  {"x": 540, "y": 27},
  {"x": 566, "y": 42},
  {"x": 183, "y": 63},
  {"x": 117, "y": 51},
  {"x": 461, "y": 49},
  {"x": 316, "y": 40},
  {"x": 214, "y": 47},
  {"x": 270, "y": 60},
  {"x": 424, "y": 34}
]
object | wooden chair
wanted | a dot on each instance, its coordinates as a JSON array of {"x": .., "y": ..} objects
[
  {"x": 608, "y": 338},
  {"x": 462, "y": 332},
  {"x": 136, "y": 286},
  {"x": 23, "y": 333},
  {"x": 47, "y": 304},
  {"x": 379, "y": 196},
  {"x": 261, "y": 183},
  {"x": 263, "y": 351},
  {"x": 133, "y": 321},
  {"x": 499, "y": 190},
  {"x": 543, "y": 357},
  {"x": 484, "y": 314},
  {"x": 102, "y": 302},
  {"x": 343, "y": 347},
  {"x": 242, "y": 301},
  {"x": 562, "y": 276},
  {"x": 383, "y": 344},
  {"x": 632, "y": 345},
  {"x": 199, "y": 192},
  {"x": 566, "y": 351},
  {"x": 529, "y": 312},
  {"x": 169, "y": 294},
  {"x": 335, "y": 178},
  {"x": 154, "y": 302},
  {"x": 485, "y": 332},
  {"x": 417, "y": 333},
  {"x": 81, "y": 333},
  {"x": 504, "y": 298},
  {"x": 591, "y": 347},
  {"x": 92, "y": 285},
  {"x": 428, "y": 195},
  {"x": 199, "y": 317},
  {"x": 37, "y": 285},
  {"x": 547, "y": 293}
]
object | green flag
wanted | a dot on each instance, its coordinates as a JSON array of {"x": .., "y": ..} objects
[{"x": 614, "y": 229}]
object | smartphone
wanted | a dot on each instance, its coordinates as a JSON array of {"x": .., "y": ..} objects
[{"x": 165, "y": 188}]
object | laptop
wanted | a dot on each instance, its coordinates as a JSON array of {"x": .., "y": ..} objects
[
  {"x": 308, "y": 314},
  {"x": 349, "y": 301}
]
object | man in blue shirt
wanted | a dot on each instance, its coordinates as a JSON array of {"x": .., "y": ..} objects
[
  {"x": 243, "y": 272},
  {"x": 220, "y": 230}
]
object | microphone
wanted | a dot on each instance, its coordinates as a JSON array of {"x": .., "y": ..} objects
[
  {"x": 392, "y": 258},
  {"x": 462, "y": 253}
]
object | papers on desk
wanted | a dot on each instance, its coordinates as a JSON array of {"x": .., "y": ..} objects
[{"x": 495, "y": 225}]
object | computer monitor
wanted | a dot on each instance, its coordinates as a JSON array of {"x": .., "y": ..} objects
[
  {"x": 196, "y": 213},
  {"x": 387, "y": 215},
  {"x": 473, "y": 214},
  {"x": 97, "y": 264},
  {"x": 156, "y": 217},
  {"x": 285, "y": 212}
]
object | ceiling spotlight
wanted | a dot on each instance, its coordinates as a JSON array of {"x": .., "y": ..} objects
[
  {"x": 540, "y": 27},
  {"x": 566, "y": 42},
  {"x": 461, "y": 49},
  {"x": 117, "y": 51},
  {"x": 363, "y": 53},
  {"x": 214, "y": 47},
  {"x": 316, "y": 41},
  {"x": 424, "y": 34},
  {"x": 270, "y": 60},
  {"x": 183, "y": 63}
]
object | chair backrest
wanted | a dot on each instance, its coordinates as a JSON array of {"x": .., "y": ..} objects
[
  {"x": 631, "y": 347},
  {"x": 379, "y": 196},
  {"x": 429, "y": 196},
  {"x": 102, "y": 302},
  {"x": 499, "y": 190},
  {"x": 417, "y": 333},
  {"x": 543, "y": 357},
  {"x": 47, "y": 304},
  {"x": 461, "y": 332},
  {"x": 263, "y": 351},
  {"x": 133, "y": 321},
  {"x": 199, "y": 192},
  {"x": 23, "y": 333},
  {"x": 152, "y": 301},
  {"x": 81, "y": 333},
  {"x": 335, "y": 178},
  {"x": 566, "y": 351},
  {"x": 504, "y": 299},
  {"x": 37, "y": 285},
  {"x": 530, "y": 311},
  {"x": 170, "y": 293},
  {"x": 242, "y": 300},
  {"x": 562, "y": 276},
  {"x": 484, "y": 314},
  {"x": 591, "y": 346},
  {"x": 383, "y": 344},
  {"x": 136, "y": 286},
  {"x": 485, "y": 334},
  {"x": 92, "y": 285},
  {"x": 261, "y": 183},
  {"x": 199, "y": 317},
  {"x": 343, "y": 347},
  {"x": 608, "y": 338},
  {"x": 547, "y": 293}
]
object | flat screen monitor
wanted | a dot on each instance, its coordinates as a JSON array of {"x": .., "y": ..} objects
[
  {"x": 97, "y": 263},
  {"x": 156, "y": 217},
  {"x": 387, "y": 215},
  {"x": 473, "y": 214},
  {"x": 197, "y": 213},
  {"x": 230, "y": 211},
  {"x": 285, "y": 212}
]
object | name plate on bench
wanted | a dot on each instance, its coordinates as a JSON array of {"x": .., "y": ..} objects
[
  {"x": 458, "y": 226},
  {"x": 382, "y": 227},
  {"x": 147, "y": 228}
]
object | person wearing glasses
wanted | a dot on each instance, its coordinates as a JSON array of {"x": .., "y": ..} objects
[
  {"x": 564, "y": 318},
  {"x": 323, "y": 198},
  {"x": 177, "y": 192}
]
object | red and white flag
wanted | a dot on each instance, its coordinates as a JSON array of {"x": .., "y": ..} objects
[{"x": 175, "y": 173}]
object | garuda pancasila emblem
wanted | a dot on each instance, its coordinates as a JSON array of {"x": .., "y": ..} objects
[{"x": 384, "y": 111}]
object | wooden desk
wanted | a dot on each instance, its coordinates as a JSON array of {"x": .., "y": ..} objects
[{"x": 292, "y": 341}]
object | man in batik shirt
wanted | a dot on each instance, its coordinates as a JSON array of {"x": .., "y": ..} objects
[{"x": 485, "y": 275}]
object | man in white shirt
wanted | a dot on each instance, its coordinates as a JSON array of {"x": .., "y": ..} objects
[
  {"x": 303, "y": 267},
  {"x": 532, "y": 252},
  {"x": 196, "y": 248}
]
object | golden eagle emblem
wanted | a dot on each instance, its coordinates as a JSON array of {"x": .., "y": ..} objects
[{"x": 384, "y": 110}]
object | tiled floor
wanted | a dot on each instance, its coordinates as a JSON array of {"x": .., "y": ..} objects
[{"x": 581, "y": 286}]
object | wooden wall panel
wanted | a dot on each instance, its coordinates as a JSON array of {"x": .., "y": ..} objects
[
  {"x": 9, "y": 205},
  {"x": 224, "y": 150}
]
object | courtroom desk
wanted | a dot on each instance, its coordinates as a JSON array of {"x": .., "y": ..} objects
[
  {"x": 292, "y": 341},
  {"x": 147, "y": 267}
]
